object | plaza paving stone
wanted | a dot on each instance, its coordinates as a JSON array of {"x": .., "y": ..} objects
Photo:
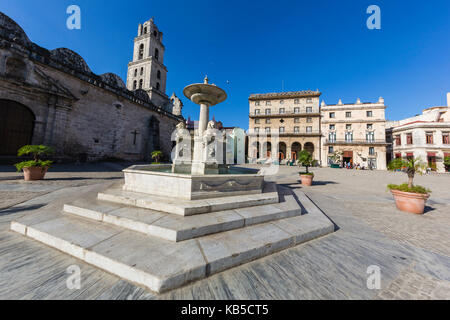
[{"x": 413, "y": 252}]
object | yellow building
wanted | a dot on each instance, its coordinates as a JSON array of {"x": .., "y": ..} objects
[
  {"x": 283, "y": 124},
  {"x": 358, "y": 131}
]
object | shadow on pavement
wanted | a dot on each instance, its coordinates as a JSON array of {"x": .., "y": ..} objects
[{"x": 12, "y": 210}]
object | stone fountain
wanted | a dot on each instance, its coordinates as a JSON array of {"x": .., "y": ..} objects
[
  {"x": 202, "y": 175},
  {"x": 169, "y": 225}
]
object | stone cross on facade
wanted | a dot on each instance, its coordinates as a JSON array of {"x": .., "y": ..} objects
[{"x": 135, "y": 133}]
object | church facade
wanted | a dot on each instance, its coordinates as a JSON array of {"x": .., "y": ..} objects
[{"x": 53, "y": 98}]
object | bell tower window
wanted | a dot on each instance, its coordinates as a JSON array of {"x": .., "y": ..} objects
[
  {"x": 156, "y": 54},
  {"x": 134, "y": 85},
  {"x": 158, "y": 86},
  {"x": 141, "y": 52},
  {"x": 158, "y": 75},
  {"x": 141, "y": 84}
]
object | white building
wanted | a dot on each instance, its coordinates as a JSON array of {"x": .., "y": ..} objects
[{"x": 426, "y": 136}]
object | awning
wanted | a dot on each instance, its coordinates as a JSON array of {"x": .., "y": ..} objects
[
  {"x": 348, "y": 154},
  {"x": 432, "y": 154}
]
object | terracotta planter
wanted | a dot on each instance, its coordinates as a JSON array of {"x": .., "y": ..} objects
[
  {"x": 307, "y": 180},
  {"x": 34, "y": 173},
  {"x": 410, "y": 202}
]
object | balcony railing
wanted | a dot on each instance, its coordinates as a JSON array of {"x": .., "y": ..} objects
[
  {"x": 285, "y": 114},
  {"x": 289, "y": 133},
  {"x": 355, "y": 142}
]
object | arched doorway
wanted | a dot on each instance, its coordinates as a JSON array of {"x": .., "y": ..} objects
[
  {"x": 310, "y": 148},
  {"x": 255, "y": 150},
  {"x": 296, "y": 148},
  {"x": 16, "y": 127},
  {"x": 282, "y": 151},
  {"x": 267, "y": 149}
]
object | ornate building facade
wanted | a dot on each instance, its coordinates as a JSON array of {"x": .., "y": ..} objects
[
  {"x": 54, "y": 98},
  {"x": 425, "y": 137},
  {"x": 358, "y": 131},
  {"x": 284, "y": 124}
]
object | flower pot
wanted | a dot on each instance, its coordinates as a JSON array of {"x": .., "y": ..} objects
[
  {"x": 307, "y": 180},
  {"x": 34, "y": 173},
  {"x": 410, "y": 202}
]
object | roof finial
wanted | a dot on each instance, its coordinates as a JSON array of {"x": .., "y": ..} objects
[{"x": 206, "y": 81}]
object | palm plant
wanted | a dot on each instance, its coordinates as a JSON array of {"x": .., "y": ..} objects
[
  {"x": 37, "y": 152},
  {"x": 411, "y": 165},
  {"x": 157, "y": 155},
  {"x": 447, "y": 162},
  {"x": 305, "y": 159}
]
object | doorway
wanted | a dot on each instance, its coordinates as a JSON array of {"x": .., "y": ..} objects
[{"x": 16, "y": 127}]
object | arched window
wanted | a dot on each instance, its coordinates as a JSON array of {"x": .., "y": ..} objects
[
  {"x": 134, "y": 85},
  {"x": 158, "y": 74},
  {"x": 156, "y": 54},
  {"x": 158, "y": 86},
  {"x": 155, "y": 33},
  {"x": 142, "y": 71},
  {"x": 140, "y": 84},
  {"x": 135, "y": 72},
  {"x": 141, "y": 52},
  {"x": 145, "y": 30}
]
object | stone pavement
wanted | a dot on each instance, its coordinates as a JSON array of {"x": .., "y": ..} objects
[{"x": 413, "y": 252}]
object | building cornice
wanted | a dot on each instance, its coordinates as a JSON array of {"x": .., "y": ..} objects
[
  {"x": 369, "y": 106},
  {"x": 284, "y": 95},
  {"x": 422, "y": 125}
]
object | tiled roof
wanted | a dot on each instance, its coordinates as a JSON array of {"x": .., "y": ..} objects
[{"x": 283, "y": 95}]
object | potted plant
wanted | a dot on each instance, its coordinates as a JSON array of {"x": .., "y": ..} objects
[
  {"x": 408, "y": 197},
  {"x": 37, "y": 168},
  {"x": 305, "y": 159},
  {"x": 156, "y": 156},
  {"x": 447, "y": 163}
]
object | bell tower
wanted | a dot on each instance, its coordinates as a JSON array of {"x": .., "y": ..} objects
[{"x": 147, "y": 70}]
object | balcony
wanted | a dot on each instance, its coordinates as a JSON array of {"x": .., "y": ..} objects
[
  {"x": 304, "y": 114},
  {"x": 356, "y": 142},
  {"x": 304, "y": 133}
]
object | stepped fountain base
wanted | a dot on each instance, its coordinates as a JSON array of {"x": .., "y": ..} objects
[{"x": 160, "y": 181}]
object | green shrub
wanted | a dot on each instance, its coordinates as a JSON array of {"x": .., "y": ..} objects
[
  {"x": 37, "y": 152},
  {"x": 157, "y": 155},
  {"x": 411, "y": 166},
  {"x": 305, "y": 159},
  {"x": 28, "y": 164},
  {"x": 405, "y": 188},
  {"x": 307, "y": 174}
]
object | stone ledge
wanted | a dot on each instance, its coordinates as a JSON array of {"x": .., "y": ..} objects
[
  {"x": 178, "y": 228},
  {"x": 162, "y": 265},
  {"x": 189, "y": 207}
]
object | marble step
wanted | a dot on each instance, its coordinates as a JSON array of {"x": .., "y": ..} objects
[
  {"x": 162, "y": 265},
  {"x": 190, "y": 207},
  {"x": 179, "y": 228}
]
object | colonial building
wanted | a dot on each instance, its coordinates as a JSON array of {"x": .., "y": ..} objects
[
  {"x": 53, "y": 98},
  {"x": 284, "y": 124},
  {"x": 426, "y": 137},
  {"x": 358, "y": 131}
]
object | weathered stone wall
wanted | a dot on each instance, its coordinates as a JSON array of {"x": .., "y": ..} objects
[{"x": 77, "y": 112}]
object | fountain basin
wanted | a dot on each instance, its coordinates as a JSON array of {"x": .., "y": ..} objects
[{"x": 159, "y": 180}]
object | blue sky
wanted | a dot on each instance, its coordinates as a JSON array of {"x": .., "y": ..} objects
[{"x": 258, "y": 45}]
